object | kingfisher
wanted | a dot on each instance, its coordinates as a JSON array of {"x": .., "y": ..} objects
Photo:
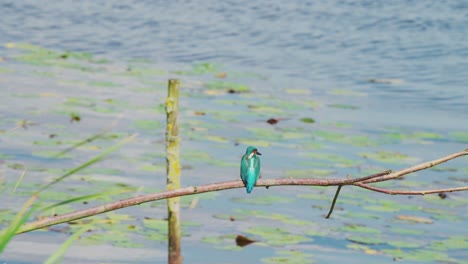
[{"x": 250, "y": 168}]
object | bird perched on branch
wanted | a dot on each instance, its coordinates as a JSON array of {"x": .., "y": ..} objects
[{"x": 250, "y": 168}]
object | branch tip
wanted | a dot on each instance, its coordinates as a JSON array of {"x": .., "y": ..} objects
[{"x": 334, "y": 201}]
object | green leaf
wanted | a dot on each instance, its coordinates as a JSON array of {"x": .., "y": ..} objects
[
  {"x": 7, "y": 234},
  {"x": 89, "y": 162},
  {"x": 307, "y": 120},
  {"x": 57, "y": 256}
]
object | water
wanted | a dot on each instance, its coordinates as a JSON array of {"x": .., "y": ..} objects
[{"x": 319, "y": 47}]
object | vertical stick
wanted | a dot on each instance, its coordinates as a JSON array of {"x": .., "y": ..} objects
[{"x": 173, "y": 171}]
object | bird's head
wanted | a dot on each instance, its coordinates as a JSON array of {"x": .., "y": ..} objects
[{"x": 251, "y": 151}]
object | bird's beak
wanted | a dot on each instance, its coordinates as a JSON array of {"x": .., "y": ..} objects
[{"x": 258, "y": 153}]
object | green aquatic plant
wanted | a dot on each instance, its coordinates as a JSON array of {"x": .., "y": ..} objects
[{"x": 31, "y": 205}]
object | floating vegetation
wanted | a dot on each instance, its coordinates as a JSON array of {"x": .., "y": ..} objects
[
  {"x": 307, "y": 120},
  {"x": 346, "y": 92},
  {"x": 359, "y": 229},
  {"x": 289, "y": 257},
  {"x": 78, "y": 94},
  {"x": 343, "y": 106},
  {"x": 389, "y": 157},
  {"x": 461, "y": 136},
  {"x": 366, "y": 240},
  {"x": 276, "y": 236},
  {"x": 336, "y": 160},
  {"x": 224, "y": 242},
  {"x": 227, "y": 86},
  {"x": 346, "y": 139}
]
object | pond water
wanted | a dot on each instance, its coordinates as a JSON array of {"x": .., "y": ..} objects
[{"x": 384, "y": 83}]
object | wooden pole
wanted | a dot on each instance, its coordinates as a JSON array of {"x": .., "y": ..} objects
[{"x": 173, "y": 171}]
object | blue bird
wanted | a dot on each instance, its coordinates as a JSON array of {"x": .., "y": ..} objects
[{"x": 250, "y": 168}]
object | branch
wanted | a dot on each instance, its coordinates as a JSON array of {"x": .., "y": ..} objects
[
  {"x": 360, "y": 182},
  {"x": 53, "y": 220},
  {"x": 404, "y": 192},
  {"x": 418, "y": 167}
]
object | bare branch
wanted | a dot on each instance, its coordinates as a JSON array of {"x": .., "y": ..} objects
[
  {"x": 404, "y": 192},
  {"x": 334, "y": 201},
  {"x": 360, "y": 182},
  {"x": 418, "y": 167}
]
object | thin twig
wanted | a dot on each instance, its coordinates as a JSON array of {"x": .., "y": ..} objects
[
  {"x": 334, "y": 201},
  {"x": 418, "y": 167},
  {"x": 351, "y": 181},
  {"x": 404, "y": 192}
]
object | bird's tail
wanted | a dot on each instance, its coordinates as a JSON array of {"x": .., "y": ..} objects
[
  {"x": 249, "y": 187},
  {"x": 251, "y": 180}
]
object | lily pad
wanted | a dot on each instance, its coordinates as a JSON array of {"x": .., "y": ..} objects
[
  {"x": 461, "y": 136},
  {"x": 217, "y": 139},
  {"x": 444, "y": 169},
  {"x": 276, "y": 236},
  {"x": 359, "y": 229},
  {"x": 103, "y": 84},
  {"x": 262, "y": 200},
  {"x": 420, "y": 255},
  {"x": 224, "y": 242},
  {"x": 156, "y": 224},
  {"x": 366, "y": 240},
  {"x": 278, "y": 217},
  {"x": 266, "y": 110},
  {"x": 405, "y": 231},
  {"x": 335, "y": 159},
  {"x": 346, "y": 92},
  {"x": 389, "y": 157},
  {"x": 289, "y": 257},
  {"x": 307, "y": 120},
  {"x": 200, "y": 68},
  {"x": 367, "y": 250},
  {"x": 230, "y": 217},
  {"x": 355, "y": 140},
  {"x": 453, "y": 242},
  {"x": 226, "y": 86},
  {"x": 405, "y": 244},
  {"x": 343, "y": 106}
]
